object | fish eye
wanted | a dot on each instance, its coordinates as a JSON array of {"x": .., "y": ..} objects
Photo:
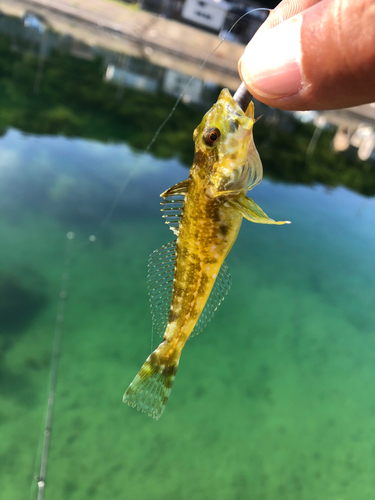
[{"x": 211, "y": 136}]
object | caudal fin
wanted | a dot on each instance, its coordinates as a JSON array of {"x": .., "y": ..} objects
[{"x": 150, "y": 389}]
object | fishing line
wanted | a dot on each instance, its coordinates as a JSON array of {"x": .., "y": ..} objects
[
  {"x": 165, "y": 121},
  {"x": 314, "y": 140},
  {"x": 40, "y": 469},
  {"x": 115, "y": 203},
  {"x": 196, "y": 73},
  {"x": 41, "y": 461}
]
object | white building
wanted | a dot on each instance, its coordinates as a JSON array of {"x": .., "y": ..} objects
[{"x": 208, "y": 13}]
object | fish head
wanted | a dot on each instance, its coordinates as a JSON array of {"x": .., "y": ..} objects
[{"x": 225, "y": 152}]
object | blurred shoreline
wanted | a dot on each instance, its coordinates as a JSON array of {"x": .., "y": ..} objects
[
  {"x": 181, "y": 48},
  {"x": 162, "y": 41}
]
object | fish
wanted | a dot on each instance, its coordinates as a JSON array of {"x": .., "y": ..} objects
[{"x": 188, "y": 277}]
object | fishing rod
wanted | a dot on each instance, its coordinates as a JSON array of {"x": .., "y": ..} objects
[
  {"x": 40, "y": 477},
  {"x": 243, "y": 97}
]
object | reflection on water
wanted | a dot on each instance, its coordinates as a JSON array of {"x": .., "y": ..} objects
[
  {"x": 275, "y": 398},
  {"x": 55, "y": 85}
]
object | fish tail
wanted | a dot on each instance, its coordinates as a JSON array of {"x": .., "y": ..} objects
[{"x": 150, "y": 389}]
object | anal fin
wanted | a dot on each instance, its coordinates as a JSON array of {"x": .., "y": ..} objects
[
  {"x": 160, "y": 284},
  {"x": 218, "y": 293}
]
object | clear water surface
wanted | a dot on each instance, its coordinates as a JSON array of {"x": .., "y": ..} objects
[{"x": 274, "y": 400}]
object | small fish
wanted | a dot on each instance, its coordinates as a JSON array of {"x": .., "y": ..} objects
[{"x": 188, "y": 277}]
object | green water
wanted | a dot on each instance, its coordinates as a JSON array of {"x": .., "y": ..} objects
[{"x": 274, "y": 400}]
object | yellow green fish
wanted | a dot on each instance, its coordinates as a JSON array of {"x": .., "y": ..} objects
[{"x": 188, "y": 277}]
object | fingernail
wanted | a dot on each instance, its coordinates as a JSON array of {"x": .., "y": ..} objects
[{"x": 271, "y": 63}]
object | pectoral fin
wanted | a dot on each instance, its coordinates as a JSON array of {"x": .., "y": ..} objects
[{"x": 250, "y": 210}]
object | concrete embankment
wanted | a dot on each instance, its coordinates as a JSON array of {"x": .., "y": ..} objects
[{"x": 116, "y": 27}]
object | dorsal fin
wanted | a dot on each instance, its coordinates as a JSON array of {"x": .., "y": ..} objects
[
  {"x": 179, "y": 188},
  {"x": 161, "y": 266},
  {"x": 172, "y": 204},
  {"x": 172, "y": 211}
]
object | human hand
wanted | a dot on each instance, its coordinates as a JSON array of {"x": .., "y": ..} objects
[{"x": 322, "y": 56}]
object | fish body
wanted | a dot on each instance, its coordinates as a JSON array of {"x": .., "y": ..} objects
[{"x": 226, "y": 165}]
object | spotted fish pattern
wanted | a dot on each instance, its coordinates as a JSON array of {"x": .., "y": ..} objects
[{"x": 188, "y": 277}]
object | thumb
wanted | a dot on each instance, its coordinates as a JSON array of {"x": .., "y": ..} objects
[{"x": 322, "y": 58}]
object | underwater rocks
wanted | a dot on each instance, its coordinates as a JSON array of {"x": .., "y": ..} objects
[{"x": 19, "y": 305}]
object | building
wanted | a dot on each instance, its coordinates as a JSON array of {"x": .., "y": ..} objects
[{"x": 217, "y": 16}]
